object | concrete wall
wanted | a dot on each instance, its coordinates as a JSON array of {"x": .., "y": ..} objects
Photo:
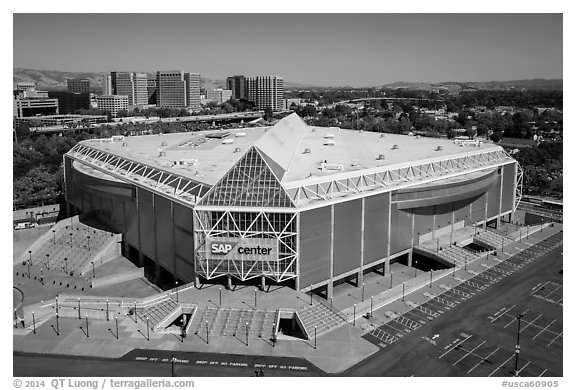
[{"x": 315, "y": 239}]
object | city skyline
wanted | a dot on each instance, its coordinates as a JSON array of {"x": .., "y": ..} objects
[{"x": 312, "y": 49}]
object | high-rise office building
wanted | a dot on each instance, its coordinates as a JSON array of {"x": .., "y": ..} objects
[
  {"x": 106, "y": 84},
  {"x": 140, "y": 89},
  {"x": 123, "y": 84},
  {"x": 266, "y": 91},
  {"x": 78, "y": 85},
  {"x": 237, "y": 84},
  {"x": 176, "y": 89},
  {"x": 69, "y": 102}
]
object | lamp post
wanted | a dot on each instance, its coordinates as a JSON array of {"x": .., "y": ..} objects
[
  {"x": 34, "y": 322},
  {"x": 87, "y": 331},
  {"x": 431, "y": 272},
  {"x": 117, "y": 334},
  {"x": 47, "y": 261},
  {"x": 354, "y": 317},
  {"x": 519, "y": 317},
  {"x": 273, "y": 335},
  {"x": 93, "y": 271},
  {"x": 176, "y": 291},
  {"x": 362, "y": 292},
  {"x": 315, "y": 343},
  {"x": 391, "y": 273},
  {"x": 255, "y": 298},
  {"x": 28, "y": 269},
  {"x": 403, "y": 286},
  {"x": 88, "y": 237},
  {"x": 15, "y": 319},
  {"x": 207, "y": 339},
  {"x": 371, "y": 303},
  {"x": 30, "y": 256},
  {"x": 147, "y": 329},
  {"x": 56, "y": 304},
  {"x": 310, "y": 295},
  {"x": 42, "y": 276},
  {"x": 107, "y": 317},
  {"x": 220, "y": 292},
  {"x": 437, "y": 244},
  {"x": 172, "y": 362},
  {"x": 79, "y": 317},
  {"x": 54, "y": 236},
  {"x": 57, "y": 325},
  {"x": 135, "y": 316},
  {"x": 246, "y": 334},
  {"x": 66, "y": 265},
  {"x": 70, "y": 240}
]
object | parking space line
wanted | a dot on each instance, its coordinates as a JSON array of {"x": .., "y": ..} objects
[
  {"x": 484, "y": 359},
  {"x": 501, "y": 365},
  {"x": 530, "y": 323},
  {"x": 506, "y": 311},
  {"x": 555, "y": 338},
  {"x": 451, "y": 349},
  {"x": 469, "y": 352},
  {"x": 543, "y": 329},
  {"x": 514, "y": 318},
  {"x": 520, "y": 370},
  {"x": 543, "y": 372},
  {"x": 553, "y": 291}
]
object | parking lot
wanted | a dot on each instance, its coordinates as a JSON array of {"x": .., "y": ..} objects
[
  {"x": 478, "y": 357},
  {"x": 550, "y": 292},
  {"x": 394, "y": 327}
]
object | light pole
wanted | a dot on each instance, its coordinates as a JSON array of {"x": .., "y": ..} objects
[
  {"x": 54, "y": 236},
  {"x": 172, "y": 362},
  {"x": 246, "y": 334},
  {"x": 88, "y": 237},
  {"x": 93, "y": 271},
  {"x": 255, "y": 299},
  {"x": 56, "y": 304},
  {"x": 147, "y": 329},
  {"x": 273, "y": 335},
  {"x": 135, "y": 316},
  {"x": 431, "y": 271},
  {"x": 519, "y": 317},
  {"x": 42, "y": 276},
  {"x": 107, "y": 317},
  {"x": 28, "y": 269},
  {"x": 310, "y": 295},
  {"x": 34, "y": 323},
  {"x": 207, "y": 339},
  {"x": 371, "y": 303},
  {"x": 362, "y": 292},
  {"x": 437, "y": 244},
  {"x": 15, "y": 319},
  {"x": 87, "y": 331},
  {"x": 117, "y": 334},
  {"x": 66, "y": 265},
  {"x": 391, "y": 273},
  {"x": 315, "y": 329},
  {"x": 354, "y": 318},
  {"x": 403, "y": 286},
  {"x": 220, "y": 292},
  {"x": 30, "y": 256},
  {"x": 47, "y": 261},
  {"x": 70, "y": 240},
  {"x": 465, "y": 263},
  {"x": 176, "y": 291},
  {"x": 79, "y": 317},
  {"x": 57, "y": 325}
]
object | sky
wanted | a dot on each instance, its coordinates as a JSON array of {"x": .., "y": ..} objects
[{"x": 312, "y": 49}]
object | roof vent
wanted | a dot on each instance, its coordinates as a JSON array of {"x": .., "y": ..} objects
[
  {"x": 395, "y": 147},
  {"x": 306, "y": 151},
  {"x": 228, "y": 141},
  {"x": 236, "y": 150},
  {"x": 164, "y": 143},
  {"x": 313, "y": 129},
  {"x": 381, "y": 157},
  {"x": 329, "y": 136},
  {"x": 438, "y": 148},
  {"x": 329, "y": 142},
  {"x": 161, "y": 153},
  {"x": 417, "y": 136},
  {"x": 124, "y": 144},
  {"x": 331, "y": 167},
  {"x": 381, "y": 135},
  {"x": 240, "y": 134}
]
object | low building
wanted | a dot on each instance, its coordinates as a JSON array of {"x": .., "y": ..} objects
[
  {"x": 112, "y": 103},
  {"x": 219, "y": 95}
]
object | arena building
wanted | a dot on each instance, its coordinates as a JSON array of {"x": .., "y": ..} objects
[{"x": 291, "y": 204}]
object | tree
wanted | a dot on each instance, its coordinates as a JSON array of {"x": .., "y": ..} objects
[
  {"x": 268, "y": 114},
  {"x": 22, "y": 131}
]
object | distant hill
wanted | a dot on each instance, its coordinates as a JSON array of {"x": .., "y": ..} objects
[
  {"x": 56, "y": 80},
  {"x": 546, "y": 84}
]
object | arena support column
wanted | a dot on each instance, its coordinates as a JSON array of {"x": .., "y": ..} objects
[
  {"x": 138, "y": 210},
  {"x": 155, "y": 230},
  {"x": 361, "y": 272},
  {"x": 411, "y": 249},
  {"x": 485, "y": 224},
  {"x": 297, "y": 279},
  {"x": 501, "y": 169},
  {"x": 330, "y": 287},
  {"x": 387, "y": 261}
]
